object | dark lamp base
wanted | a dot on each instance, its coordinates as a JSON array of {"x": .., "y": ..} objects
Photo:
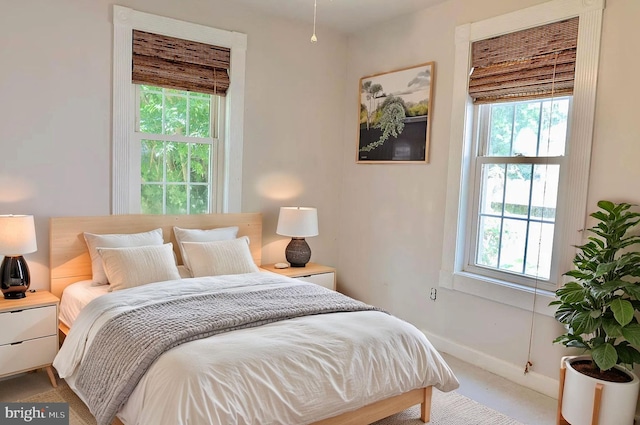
[
  {"x": 298, "y": 252},
  {"x": 14, "y": 277},
  {"x": 14, "y": 295}
]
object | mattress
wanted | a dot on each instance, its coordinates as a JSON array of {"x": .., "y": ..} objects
[
  {"x": 79, "y": 294},
  {"x": 76, "y": 296},
  {"x": 295, "y": 371}
]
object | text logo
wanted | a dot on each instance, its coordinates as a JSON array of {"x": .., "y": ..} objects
[{"x": 34, "y": 413}]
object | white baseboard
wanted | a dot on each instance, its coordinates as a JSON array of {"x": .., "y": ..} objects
[{"x": 535, "y": 381}]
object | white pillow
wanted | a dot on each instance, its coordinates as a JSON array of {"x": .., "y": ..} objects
[
  {"x": 135, "y": 266},
  {"x": 199, "y": 235},
  {"x": 221, "y": 257},
  {"x": 154, "y": 237}
]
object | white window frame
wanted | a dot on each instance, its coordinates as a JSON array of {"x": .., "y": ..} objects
[
  {"x": 569, "y": 221},
  {"x": 227, "y": 157},
  {"x": 480, "y": 143}
]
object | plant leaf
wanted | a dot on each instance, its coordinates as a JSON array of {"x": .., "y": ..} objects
[
  {"x": 605, "y": 356},
  {"x": 633, "y": 290},
  {"x": 631, "y": 333},
  {"x": 583, "y": 323},
  {"x": 578, "y": 274},
  {"x": 571, "y": 292},
  {"x": 627, "y": 354},
  {"x": 612, "y": 328},
  {"x": 622, "y": 311},
  {"x": 574, "y": 343},
  {"x": 564, "y": 313},
  {"x": 604, "y": 268}
]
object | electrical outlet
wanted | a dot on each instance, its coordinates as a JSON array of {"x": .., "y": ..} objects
[{"x": 433, "y": 294}]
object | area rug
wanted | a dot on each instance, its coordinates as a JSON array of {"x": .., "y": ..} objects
[
  {"x": 78, "y": 412},
  {"x": 451, "y": 409},
  {"x": 446, "y": 409}
]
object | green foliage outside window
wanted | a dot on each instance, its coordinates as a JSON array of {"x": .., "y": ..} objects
[{"x": 175, "y": 175}]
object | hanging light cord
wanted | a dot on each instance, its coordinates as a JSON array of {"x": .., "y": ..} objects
[
  {"x": 315, "y": 6},
  {"x": 544, "y": 195}
]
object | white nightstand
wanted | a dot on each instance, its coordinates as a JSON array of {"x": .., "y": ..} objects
[
  {"x": 29, "y": 333},
  {"x": 312, "y": 272}
]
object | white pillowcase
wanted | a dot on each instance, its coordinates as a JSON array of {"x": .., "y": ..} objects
[
  {"x": 153, "y": 237},
  {"x": 221, "y": 257},
  {"x": 200, "y": 235},
  {"x": 135, "y": 266}
]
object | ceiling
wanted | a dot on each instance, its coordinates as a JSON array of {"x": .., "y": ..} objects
[{"x": 347, "y": 16}]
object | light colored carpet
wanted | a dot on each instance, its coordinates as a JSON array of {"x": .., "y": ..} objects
[
  {"x": 78, "y": 412},
  {"x": 446, "y": 409},
  {"x": 451, "y": 409}
]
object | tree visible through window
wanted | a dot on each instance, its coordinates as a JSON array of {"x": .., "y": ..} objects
[
  {"x": 521, "y": 146},
  {"x": 176, "y": 146}
]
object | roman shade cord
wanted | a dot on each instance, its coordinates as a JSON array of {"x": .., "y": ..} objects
[
  {"x": 179, "y": 64},
  {"x": 529, "y": 363}
]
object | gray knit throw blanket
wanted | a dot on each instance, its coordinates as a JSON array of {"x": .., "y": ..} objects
[{"x": 125, "y": 347}]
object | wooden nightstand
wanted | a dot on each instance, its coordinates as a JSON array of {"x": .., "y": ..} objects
[
  {"x": 29, "y": 333},
  {"x": 312, "y": 272}
]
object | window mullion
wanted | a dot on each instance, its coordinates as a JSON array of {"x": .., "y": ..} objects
[
  {"x": 540, "y": 130},
  {"x": 526, "y": 240},
  {"x": 504, "y": 198},
  {"x": 188, "y": 179}
]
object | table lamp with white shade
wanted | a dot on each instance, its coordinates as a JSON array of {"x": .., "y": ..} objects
[
  {"x": 298, "y": 223},
  {"x": 17, "y": 237}
]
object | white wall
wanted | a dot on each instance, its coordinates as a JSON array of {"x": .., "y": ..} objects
[
  {"x": 391, "y": 227},
  {"x": 55, "y": 114}
]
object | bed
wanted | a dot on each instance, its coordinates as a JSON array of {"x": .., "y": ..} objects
[{"x": 285, "y": 371}]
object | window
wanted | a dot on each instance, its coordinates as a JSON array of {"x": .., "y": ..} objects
[
  {"x": 519, "y": 158},
  {"x": 177, "y": 137},
  {"x": 520, "y": 151}
]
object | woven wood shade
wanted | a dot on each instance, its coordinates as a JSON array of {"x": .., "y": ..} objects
[
  {"x": 522, "y": 64},
  {"x": 180, "y": 64}
]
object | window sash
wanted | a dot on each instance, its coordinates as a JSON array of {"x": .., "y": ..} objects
[
  {"x": 216, "y": 119},
  {"x": 215, "y": 122},
  {"x": 473, "y": 223},
  {"x": 480, "y": 141},
  {"x": 188, "y": 184}
]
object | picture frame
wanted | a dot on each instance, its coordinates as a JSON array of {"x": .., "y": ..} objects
[{"x": 395, "y": 111}]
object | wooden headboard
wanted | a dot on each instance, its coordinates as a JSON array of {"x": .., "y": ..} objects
[{"x": 69, "y": 259}]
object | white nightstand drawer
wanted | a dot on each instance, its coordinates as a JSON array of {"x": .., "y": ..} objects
[
  {"x": 28, "y": 323},
  {"x": 27, "y": 355},
  {"x": 323, "y": 279}
]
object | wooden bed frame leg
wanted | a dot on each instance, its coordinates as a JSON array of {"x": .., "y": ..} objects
[{"x": 425, "y": 407}]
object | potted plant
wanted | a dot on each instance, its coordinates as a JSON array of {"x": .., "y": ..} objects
[{"x": 598, "y": 308}]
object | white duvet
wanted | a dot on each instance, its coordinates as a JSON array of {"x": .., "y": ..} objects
[{"x": 295, "y": 371}]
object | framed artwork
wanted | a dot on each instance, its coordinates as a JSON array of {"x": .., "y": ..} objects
[{"x": 395, "y": 116}]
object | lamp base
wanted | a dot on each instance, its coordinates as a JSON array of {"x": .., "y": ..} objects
[
  {"x": 298, "y": 252},
  {"x": 14, "y": 277}
]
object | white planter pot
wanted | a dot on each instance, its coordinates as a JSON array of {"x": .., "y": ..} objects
[{"x": 617, "y": 405}]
